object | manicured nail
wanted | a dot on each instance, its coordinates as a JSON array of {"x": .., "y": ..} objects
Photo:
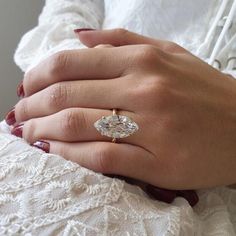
[
  {"x": 160, "y": 194},
  {"x": 10, "y": 117},
  {"x": 20, "y": 90},
  {"x": 190, "y": 195},
  {"x": 17, "y": 130},
  {"x": 45, "y": 146},
  {"x": 77, "y": 31}
]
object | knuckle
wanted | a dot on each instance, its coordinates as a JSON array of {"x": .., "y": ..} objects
[
  {"x": 103, "y": 156},
  {"x": 122, "y": 34},
  {"x": 158, "y": 90},
  {"x": 146, "y": 55},
  {"x": 172, "y": 47},
  {"x": 22, "y": 110},
  {"x": 28, "y": 79},
  {"x": 57, "y": 95},
  {"x": 152, "y": 93},
  {"x": 28, "y": 75},
  {"x": 29, "y": 132},
  {"x": 120, "y": 31},
  {"x": 57, "y": 63},
  {"x": 68, "y": 122},
  {"x": 73, "y": 121}
]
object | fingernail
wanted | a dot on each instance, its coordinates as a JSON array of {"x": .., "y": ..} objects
[
  {"x": 77, "y": 31},
  {"x": 160, "y": 194},
  {"x": 45, "y": 146},
  {"x": 20, "y": 90},
  {"x": 18, "y": 130},
  {"x": 10, "y": 117},
  {"x": 190, "y": 195}
]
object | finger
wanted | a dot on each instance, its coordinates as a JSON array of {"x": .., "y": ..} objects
[
  {"x": 104, "y": 46},
  {"x": 103, "y": 94},
  {"x": 117, "y": 164},
  {"x": 120, "y": 37},
  {"x": 71, "y": 125},
  {"x": 96, "y": 63},
  {"x": 104, "y": 157}
]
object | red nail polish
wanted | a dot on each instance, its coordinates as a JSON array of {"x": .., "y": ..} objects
[
  {"x": 10, "y": 117},
  {"x": 160, "y": 194},
  {"x": 20, "y": 90},
  {"x": 190, "y": 195},
  {"x": 45, "y": 146},
  {"x": 18, "y": 130},
  {"x": 77, "y": 31}
]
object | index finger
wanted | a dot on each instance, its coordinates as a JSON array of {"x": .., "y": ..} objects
[{"x": 96, "y": 63}]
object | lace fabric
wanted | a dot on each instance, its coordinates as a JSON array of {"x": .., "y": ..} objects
[{"x": 43, "y": 194}]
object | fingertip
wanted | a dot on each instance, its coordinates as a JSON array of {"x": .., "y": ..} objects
[
  {"x": 20, "y": 90},
  {"x": 17, "y": 130},
  {"x": 78, "y": 31},
  {"x": 42, "y": 145},
  {"x": 90, "y": 37},
  {"x": 83, "y": 34},
  {"x": 86, "y": 40}
]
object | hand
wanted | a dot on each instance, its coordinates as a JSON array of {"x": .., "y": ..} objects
[{"x": 184, "y": 108}]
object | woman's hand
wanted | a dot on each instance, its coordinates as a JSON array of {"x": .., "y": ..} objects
[{"x": 185, "y": 110}]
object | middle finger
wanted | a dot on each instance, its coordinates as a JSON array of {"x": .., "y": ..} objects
[{"x": 103, "y": 94}]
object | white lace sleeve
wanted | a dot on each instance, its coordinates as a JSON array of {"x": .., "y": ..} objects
[
  {"x": 55, "y": 29},
  {"x": 226, "y": 59}
]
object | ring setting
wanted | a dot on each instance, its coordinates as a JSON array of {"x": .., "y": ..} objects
[{"x": 116, "y": 126}]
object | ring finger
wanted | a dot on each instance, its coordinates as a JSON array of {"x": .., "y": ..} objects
[{"x": 70, "y": 125}]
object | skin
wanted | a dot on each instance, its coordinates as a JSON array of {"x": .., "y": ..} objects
[{"x": 185, "y": 110}]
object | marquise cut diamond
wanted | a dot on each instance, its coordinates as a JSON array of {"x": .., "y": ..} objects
[{"x": 116, "y": 126}]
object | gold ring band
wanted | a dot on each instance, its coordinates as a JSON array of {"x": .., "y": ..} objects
[{"x": 114, "y": 113}]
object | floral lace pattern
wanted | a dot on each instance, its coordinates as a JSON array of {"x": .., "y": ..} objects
[{"x": 43, "y": 194}]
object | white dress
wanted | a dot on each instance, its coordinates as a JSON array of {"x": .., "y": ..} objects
[{"x": 43, "y": 194}]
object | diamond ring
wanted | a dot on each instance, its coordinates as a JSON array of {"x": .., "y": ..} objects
[{"x": 116, "y": 126}]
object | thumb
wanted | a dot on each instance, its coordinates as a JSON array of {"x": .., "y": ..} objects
[{"x": 120, "y": 37}]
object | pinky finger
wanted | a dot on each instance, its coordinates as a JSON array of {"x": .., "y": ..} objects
[
  {"x": 105, "y": 157},
  {"x": 119, "y": 159}
]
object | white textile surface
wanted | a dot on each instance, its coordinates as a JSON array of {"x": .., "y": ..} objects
[{"x": 43, "y": 194}]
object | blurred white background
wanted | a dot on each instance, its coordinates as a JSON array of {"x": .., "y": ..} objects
[{"x": 16, "y": 18}]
